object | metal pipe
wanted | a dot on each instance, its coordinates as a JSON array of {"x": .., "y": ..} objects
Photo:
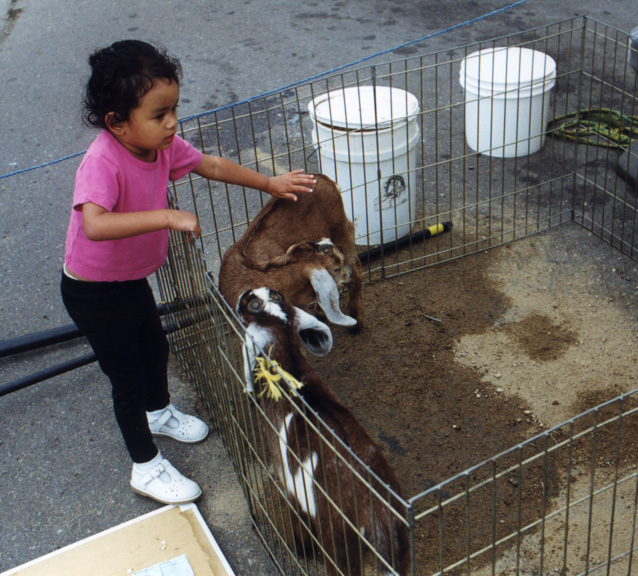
[
  {"x": 45, "y": 374},
  {"x": 44, "y": 338},
  {"x": 39, "y": 340},
  {"x": 36, "y": 340}
]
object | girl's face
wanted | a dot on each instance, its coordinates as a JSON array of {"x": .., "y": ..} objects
[{"x": 153, "y": 124}]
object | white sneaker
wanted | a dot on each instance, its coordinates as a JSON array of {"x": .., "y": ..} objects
[
  {"x": 177, "y": 425},
  {"x": 165, "y": 484}
]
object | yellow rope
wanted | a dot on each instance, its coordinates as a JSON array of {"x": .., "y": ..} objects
[
  {"x": 596, "y": 126},
  {"x": 270, "y": 374}
]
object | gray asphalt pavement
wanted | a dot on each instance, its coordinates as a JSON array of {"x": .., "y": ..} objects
[{"x": 63, "y": 467}]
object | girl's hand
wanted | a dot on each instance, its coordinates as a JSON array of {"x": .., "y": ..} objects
[
  {"x": 182, "y": 221},
  {"x": 286, "y": 185}
]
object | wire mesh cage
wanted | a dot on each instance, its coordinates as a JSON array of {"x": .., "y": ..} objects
[{"x": 552, "y": 504}]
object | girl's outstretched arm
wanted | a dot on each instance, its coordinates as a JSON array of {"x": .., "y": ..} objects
[
  {"x": 284, "y": 186},
  {"x": 100, "y": 224}
]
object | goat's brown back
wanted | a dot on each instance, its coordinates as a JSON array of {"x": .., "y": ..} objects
[{"x": 313, "y": 216}]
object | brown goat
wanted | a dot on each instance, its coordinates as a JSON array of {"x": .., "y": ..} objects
[
  {"x": 303, "y": 249},
  {"x": 322, "y": 479}
]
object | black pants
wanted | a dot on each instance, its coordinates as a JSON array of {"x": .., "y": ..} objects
[{"x": 121, "y": 323}]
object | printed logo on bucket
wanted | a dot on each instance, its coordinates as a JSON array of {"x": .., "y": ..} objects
[{"x": 392, "y": 194}]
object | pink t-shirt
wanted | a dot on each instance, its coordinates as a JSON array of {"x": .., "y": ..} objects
[{"x": 111, "y": 177}]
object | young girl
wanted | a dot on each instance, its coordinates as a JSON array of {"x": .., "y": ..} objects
[{"x": 118, "y": 235}]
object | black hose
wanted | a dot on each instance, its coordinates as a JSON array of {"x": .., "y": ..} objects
[{"x": 388, "y": 247}]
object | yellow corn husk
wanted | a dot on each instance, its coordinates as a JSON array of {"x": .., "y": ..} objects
[{"x": 269, "y": 374}]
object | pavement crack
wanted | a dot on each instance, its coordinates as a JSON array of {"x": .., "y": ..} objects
[{"x": 10, "y": 20}]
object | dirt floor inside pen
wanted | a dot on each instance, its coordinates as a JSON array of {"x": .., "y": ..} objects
[{"x": 498, "y": 366}]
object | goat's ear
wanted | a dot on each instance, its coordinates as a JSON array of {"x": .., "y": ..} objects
[
  {"x": 328, "y": 297},
  {"x": 249, "y": 356},
  {"x": 256, "y": 341},
  {"x": 314, "y": 334},
  {"x": 299, "y": 251}
]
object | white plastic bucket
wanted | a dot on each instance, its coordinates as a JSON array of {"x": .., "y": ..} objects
[
  {"x": 507, "y": 93},
  {"x": 370, "y": 151}
]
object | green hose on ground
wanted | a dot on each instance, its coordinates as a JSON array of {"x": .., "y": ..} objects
[{"x": 597, "y": 127}]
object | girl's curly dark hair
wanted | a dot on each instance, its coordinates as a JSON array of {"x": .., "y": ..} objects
[{"x": 121, "y": 75}]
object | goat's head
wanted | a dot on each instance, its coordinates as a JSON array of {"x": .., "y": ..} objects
[
  {"x": 271, "y": 321},
  {"x": 327, "y": 273},
  {"x": 322, "y": 252}
]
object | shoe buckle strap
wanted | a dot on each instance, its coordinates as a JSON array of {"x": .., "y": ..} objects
[
  {"x": 154, "y": 473},
  {"x": 163, "y": 419}
]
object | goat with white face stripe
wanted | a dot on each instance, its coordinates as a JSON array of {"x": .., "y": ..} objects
[{"x": 319, "y": 477}]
